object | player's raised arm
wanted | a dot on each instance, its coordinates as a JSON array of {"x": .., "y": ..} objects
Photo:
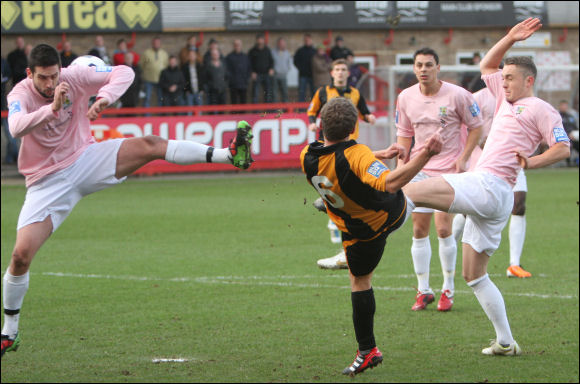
[{"x": 491, "y": 61}]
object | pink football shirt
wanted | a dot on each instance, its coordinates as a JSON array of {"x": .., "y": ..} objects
[
  {"x": 486, "y": 103},
  {"x": 421, "y": 116},
  {"x": 53, "y": 141},
  {"x": 517, "y": 126}
]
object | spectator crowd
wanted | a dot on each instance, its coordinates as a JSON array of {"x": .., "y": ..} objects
[{"x": 190, "y": 78}]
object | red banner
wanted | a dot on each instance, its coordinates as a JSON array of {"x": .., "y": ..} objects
[{"x": 277, "y": 143}]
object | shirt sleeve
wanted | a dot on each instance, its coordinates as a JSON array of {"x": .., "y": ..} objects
[
  {"x": 314, "y": 107},
  {"x": 469, "y": 111},
  {"x": 494, "y": 83},
  {"x": 21, "y": 120},
  {"x": 369, "y": 169},
  {"x": 107, "y": 82},
  {"x": 549, "y": 122},
  {"x": 362, "y": 107},
  {"x": 402, "y": 121}
]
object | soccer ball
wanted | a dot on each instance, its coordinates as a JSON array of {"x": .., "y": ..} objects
[{"x": 89, "y": 61}]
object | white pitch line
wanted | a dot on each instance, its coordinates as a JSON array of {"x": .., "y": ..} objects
[
  {"x": 165, "y": 360},
  {"x": 256, "y": 281}
]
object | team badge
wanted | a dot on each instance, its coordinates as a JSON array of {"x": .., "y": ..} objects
[
  {"x": 443, "y": 111},
  {"x": 377, "y": 168},
  {"x": 560, "y": 134},
  {"x": 520, "y": 110},
  {"x": 474, "y": 109},
  {"x": 14, "y": 107}
]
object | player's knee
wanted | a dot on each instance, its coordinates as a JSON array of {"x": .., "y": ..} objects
[
  {"x": 468, "y": 276},
  {"x": 153, "y": 143},
  {"x": 21, "y": 258}
]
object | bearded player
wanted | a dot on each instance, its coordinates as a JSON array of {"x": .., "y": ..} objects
[{"x": 62, "y": 162}]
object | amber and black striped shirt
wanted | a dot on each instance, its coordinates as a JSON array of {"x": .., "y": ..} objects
[{"x": 352, "y": 182}]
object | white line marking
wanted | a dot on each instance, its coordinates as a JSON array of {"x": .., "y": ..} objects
[
  {"x": 163, "y": 360},
  {"x": 260, "y": 281}
]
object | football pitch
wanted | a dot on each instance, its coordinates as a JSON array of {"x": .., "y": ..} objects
[{"x": 214, "y": 279}]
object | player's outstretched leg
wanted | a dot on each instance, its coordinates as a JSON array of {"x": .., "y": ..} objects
[
  {"x": 10, "y": 344},
  {"x": 362, "y": 362},
  {"x": 241, "y": 146}
]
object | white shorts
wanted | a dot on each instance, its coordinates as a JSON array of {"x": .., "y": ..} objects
[
  {"x": 419, "y": 177},
  {"x": 521, "y": 182},
  {"x": 56, "y": 195},
  {"x": 487, "y": 201}
]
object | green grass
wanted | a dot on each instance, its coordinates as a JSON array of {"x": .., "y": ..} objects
[{"x": 222, "y": 271}]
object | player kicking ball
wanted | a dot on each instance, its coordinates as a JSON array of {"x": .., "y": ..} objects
[
  {"x": 62, "y": 162},
  {"x": 520, "y": 123},
  {"x": 364, "y": 199}
]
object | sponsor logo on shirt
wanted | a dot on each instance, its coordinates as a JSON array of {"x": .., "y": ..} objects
[
  {"x": 14, "y": 107},
  {"x": 560, "y": 134},
  {"x": 520, "y": 110},
  {"x": 443, "y": 111},
  {"x": 377, "y": 168},
  {"x": 397, "y": 117},
  {"x": 102, "y": 68},
  {"x": 474, "y": 109}
]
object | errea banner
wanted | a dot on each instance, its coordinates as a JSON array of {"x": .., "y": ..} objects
[{"x": 22, "y": 17}]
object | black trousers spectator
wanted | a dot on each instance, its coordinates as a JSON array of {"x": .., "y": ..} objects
[{"x": 238, "y": 96}]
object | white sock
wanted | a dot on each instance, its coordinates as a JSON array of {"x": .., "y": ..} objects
[
  {"x": 189, "y": 152},
  {"x": 14, "y": 289},
  {"x": 421, "y": 252},
  {"x": 458, "y": 225},
  {"x": 448, "y": 258},
  {"x": 517, "y": 236},
  {"x": 491, "y": 301}
]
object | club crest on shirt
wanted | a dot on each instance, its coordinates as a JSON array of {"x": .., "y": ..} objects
[
  {"x": 67, "y": 102},
  {"x": 377, "y": 168},
  {"x": 560, "y": 134},
  {"x": 443, "y": 111},
  {"x": 520, "y": 109}
]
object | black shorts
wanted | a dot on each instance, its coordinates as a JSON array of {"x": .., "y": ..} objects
[{"x": 363, "y": 256}]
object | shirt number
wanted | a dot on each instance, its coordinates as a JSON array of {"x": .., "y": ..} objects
[{"x": 330, "y": 197}]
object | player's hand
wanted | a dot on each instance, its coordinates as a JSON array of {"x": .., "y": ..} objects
[
  {"x": 371, "y": 119},
  {"x": 525, "y": 29},
  {"x": 460, "y": 165},
  {"x": 59, "y": 96},
  {"x": 312, "y": 127},
  {"x": 395, "y": 150},
  {"x": 522, "y": 159},
  {"x": 97, "y": 107},
  {"x": 254, "y": 76},
  {"x": 434, "y": 145}
]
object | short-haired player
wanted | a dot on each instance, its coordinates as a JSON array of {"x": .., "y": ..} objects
[{"x": 485, "y": 195}]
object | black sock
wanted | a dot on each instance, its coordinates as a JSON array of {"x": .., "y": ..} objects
[{"x": 363, "y": 312}]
